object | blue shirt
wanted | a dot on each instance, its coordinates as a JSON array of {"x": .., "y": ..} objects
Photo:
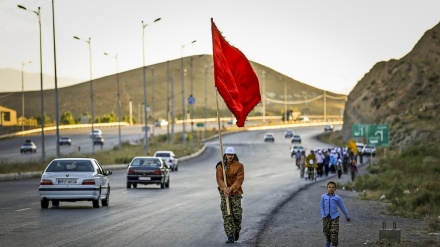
[{"x": 330, "y": 204}]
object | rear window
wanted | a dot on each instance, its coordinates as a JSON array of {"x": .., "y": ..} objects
[
  {"x": 70, "y": 166},
  {"x": 146, "y": 163},
  {"x": 162, "y": 155}
]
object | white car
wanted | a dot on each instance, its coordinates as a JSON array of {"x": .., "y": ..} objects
[
  {"x": 95, "y": 132},
  {"x": 169, "y": 158},
  {"x": 304, "y": 119},
  {"x": 369, "y": 150},
  {"x": 161, "y": 123},
  {"x": 74, "y": 179}
]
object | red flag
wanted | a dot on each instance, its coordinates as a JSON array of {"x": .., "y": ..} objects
[{"x": 235, "y": 79}]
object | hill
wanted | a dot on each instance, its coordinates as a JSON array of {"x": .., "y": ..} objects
[
  {"x": 402, "y": 93},
  {"x": 76, "y": 98}
]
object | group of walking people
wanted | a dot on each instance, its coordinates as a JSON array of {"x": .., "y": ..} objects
[{"x": 322, "y": 162}]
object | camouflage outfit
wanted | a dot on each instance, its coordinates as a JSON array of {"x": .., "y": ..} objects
[
  {"x": 232, "y": 222},
  {"x": 331, "y": 229}
]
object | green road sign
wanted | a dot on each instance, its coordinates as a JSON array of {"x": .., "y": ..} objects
[
  {"x": 378, "y": 135},
  {"x": 200, "y": 125},
  {"x": 358, "y": 130}
]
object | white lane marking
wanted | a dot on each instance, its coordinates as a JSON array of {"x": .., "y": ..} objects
[{"x": 23, "y": 209}]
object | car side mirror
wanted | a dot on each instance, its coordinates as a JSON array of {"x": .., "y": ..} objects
[{"x": 108, "y": 173}]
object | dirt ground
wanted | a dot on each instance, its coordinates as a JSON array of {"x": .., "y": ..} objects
[{"x": 298, "y": 222}]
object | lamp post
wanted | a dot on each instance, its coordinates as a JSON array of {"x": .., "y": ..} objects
[
  {"x": 56, "y": 83},
  {"x": 91, "y": 86},
  {"x": 183, "y": 95},
  {"x": 22, "y": 93},
  {"x": 145, "y": 83},
  {"x": 43, "y": 153},
  {"x": 119, "y": 99}
]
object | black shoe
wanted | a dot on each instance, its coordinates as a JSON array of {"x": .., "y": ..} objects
[
  {"x": 230, "y": 240},
  {"x": 237, "y": 235}
]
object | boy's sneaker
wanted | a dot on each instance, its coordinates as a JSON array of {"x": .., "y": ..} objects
[
  {"x": 237, "y": 235},
  {"x": 327, "y": 244}
]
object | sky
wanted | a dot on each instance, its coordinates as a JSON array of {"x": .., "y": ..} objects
[{"x": 326, "y": 44}]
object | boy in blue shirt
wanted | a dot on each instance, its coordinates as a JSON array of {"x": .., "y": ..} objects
[{"x": 330, "y": 215}]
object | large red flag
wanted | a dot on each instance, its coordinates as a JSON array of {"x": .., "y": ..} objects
[{"x": 235, "y": 79}]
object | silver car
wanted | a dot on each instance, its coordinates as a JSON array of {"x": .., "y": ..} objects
[
  {"x": 169, "y": 158},
  {"x": 74, "y": 179}
]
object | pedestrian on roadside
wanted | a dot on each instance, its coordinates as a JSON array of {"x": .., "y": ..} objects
[
  {"x": 302, "y": 163},
  {"x": 231, "y": 190},
  {"x": 311, "y": 165},
  {"x": 330, "y": 215},
  {"x": 353, "y": 170}
]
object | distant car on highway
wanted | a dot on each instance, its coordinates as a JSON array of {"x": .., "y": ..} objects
[
  {"x": 328, "y": 128},
  {"x": 65, "y": 140},
  {"x": 169, "y": 158},
  {"x": 28, "y": 146},
  {"x": 359, "y": 146},
  {"x": 304, "y": 119},
  {"x": 296, "y": 139},
  {"x": 269, "y": 137},
  {"x": 74, "y": 179},
  {"x": 161, "y": 123},
  {"x": 148, "y": 170},
  {"x": 369, "y": 150},
  {"x": 288, "y": 134},
  {"x": 294, "y": 149},
  {"x": 95, "y": 132},
  {"x": 98, "y": 140}
]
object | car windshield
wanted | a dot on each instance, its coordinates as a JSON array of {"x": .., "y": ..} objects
[
  {"x": 70, "y": 166},
  {"x": 146, "y": 162},
  {"x": 162, "y": 155}
]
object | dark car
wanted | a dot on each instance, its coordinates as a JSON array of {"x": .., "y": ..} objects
[
  {"x": 28, "y": 146},
  {"x": 288, "y": 134},
  {"x": 328, "y": 128},
  {"x": 65, "y": 140},
  {"x": 296, "y": 139},
  {"x": 98, "y": 140},
  {"x": 269, "y": 137},
  {"x": 148, "y": 170}
]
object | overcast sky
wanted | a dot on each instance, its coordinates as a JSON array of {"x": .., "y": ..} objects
[{"x": 323, "y": 43}]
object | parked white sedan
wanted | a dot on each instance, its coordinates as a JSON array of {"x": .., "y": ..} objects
[{"x": 74, "y": 179}]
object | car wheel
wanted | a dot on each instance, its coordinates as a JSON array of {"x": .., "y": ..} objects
[
  {"x": 55, "y": 203},
  {"x": 106, "y": 201},
  {"x": 167, "y": 185},
  {"x": 97, "y": 203},
  {"x": 35, "y": 151},
  {"x": 135, "y": 185},
  {"x": 128, "y": 185},
  {"x": 44, "y": 203},
  {"x": 177, "y": 168}
]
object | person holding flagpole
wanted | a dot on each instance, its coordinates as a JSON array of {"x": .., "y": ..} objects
[{"x": 230, "y": 192}]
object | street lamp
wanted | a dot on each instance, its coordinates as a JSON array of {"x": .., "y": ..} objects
[
  {"x": 56, "y": 82},
  {"x": 183, "y": 95},
  {"x": 22, "y": 93},
  {"x": 145, "y": 83},
  {"x": 91, "y": 86},
  {"x": 43, "y": 154},
  {"x": 119, "y": 100}
]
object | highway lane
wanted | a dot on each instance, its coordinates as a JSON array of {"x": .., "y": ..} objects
[
  {"x": 187, "y": 214},
  {"x": 81, "y": 141}
]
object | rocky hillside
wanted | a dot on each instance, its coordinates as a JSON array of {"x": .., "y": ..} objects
[{"x": 404, "y": 93}]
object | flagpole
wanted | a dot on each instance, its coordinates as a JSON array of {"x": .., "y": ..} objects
[{"x": 228, "y": 210}]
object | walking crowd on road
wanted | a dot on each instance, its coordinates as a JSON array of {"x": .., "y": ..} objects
[{"x": 322, "y": 162}]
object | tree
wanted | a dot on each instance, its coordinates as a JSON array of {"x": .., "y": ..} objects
[{"x": 67, "y": 118}]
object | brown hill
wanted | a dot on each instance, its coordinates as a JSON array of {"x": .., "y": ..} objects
[
  {"x": 76, "y": 98},
  {"x": 404, "y": 93}
]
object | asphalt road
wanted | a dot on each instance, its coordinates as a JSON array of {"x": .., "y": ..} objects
[{"x": 187, "y": 214}]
